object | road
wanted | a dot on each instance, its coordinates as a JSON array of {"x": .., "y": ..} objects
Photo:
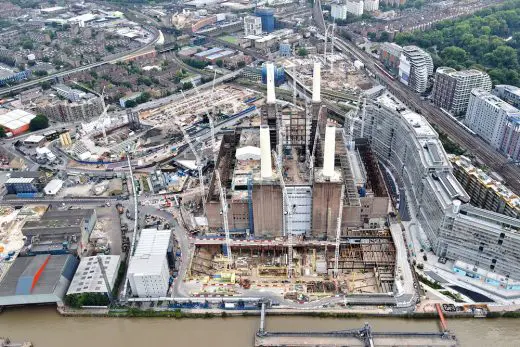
[{"x": 472, "y": 144}]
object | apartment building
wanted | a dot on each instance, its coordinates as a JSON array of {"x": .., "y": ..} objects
[
  {"x": 66, "y": 111},
  {"x": 371, "y": 5},
  {"x": 355, "y": 7},
  {"x": 338, "y": 11},
  {"x": 415, "y": 66},
  {"x": 487, "y": 115},
  {"x": 484, "y": 191},
  {"x": 406, "y": 143},
  {"x": 390, "y": 56},
  {"x": 508, "y": 93},
  {"x": 511, "y": 140},
  {"x": 452, "y": 88},
  {"x": 252, "y": 25}
]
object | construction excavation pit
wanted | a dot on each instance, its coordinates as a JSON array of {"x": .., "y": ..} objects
[{"x": 365, "y": 267}]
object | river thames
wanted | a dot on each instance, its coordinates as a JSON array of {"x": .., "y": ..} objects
[{"x": 46, "y": 328}]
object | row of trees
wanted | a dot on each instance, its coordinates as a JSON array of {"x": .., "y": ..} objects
[
  {"x": 488, "y": 40},
  {"x": 86, "y": 299},
  {"x": 144, "y": 97}
]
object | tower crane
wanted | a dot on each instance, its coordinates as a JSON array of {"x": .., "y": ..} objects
[
  {"x": 338, "y": 231},
  {"x": 314, "y": 145},
  {"x": 199, "y": 166},
  {"x": 288, "y": 210},
  {"x": 224, "y": 212}
]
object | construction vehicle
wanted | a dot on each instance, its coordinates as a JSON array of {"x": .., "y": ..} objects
[{"x": 120, "y": 208}]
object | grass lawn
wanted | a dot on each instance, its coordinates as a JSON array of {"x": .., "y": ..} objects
[{"x": 230, "y": 39}]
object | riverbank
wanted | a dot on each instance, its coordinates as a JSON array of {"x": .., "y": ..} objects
[{"x": 217, "y": 313}]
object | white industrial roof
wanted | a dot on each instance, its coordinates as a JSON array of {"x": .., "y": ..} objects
[
  {"x": 53, "y": 186},
  {"x": 16, "y": 119},
  {"x": 150, "y": 252},
  {"x": 248, "y": 152},
  {"x": 87, "y": 17},
  {"x": 42, "y": 150},
  {"x": 89, "y": 278},
  {"x": 34, "y": 139},
  {"x": 20, "y": 180}
]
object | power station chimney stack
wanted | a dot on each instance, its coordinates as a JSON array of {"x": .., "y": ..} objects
[
  {"x": 316, "y": 83},
  {"x": 266, "y": 168},
  {"x": 329, "y": 152},
  {"x": 271, "y": 98}
]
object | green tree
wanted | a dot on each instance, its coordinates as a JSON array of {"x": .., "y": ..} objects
[
  {"x": 39, "y": 122},
  {"x": 40, "y": 73},
  {"x": 187, "y": 85},
  {"x": 2, "y": 132},
  {"x": 302, "y": 52},
  {"x": 27, "y": 44},
  {"x": 219, "y": 63}
]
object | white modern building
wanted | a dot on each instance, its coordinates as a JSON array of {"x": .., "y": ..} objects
[
  {"x": 371, "y": 5},
  {"x": 148, "y": 272},
  {"x": 338, "y": 11},
  {"x": 252, "y": 25},
  {"x": 89, "y": 277},
  {"x": 415, "y": 66},
  {"x": 355, "y": 7},
  {"x": 487, "y": 116}
]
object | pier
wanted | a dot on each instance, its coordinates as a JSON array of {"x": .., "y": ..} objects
[{"x": 363, "y": 337}]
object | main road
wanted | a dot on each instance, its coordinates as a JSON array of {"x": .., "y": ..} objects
[{"x": 475, "y": 145}]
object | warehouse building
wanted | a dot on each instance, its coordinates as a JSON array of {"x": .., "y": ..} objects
[
  {"x": 42, "y": 279},
  {"x": 148, "y": 272},
  {"x": 89, "y": 277},
  {"x": 58, "y": 232},
  {"x": 16, "y": 121},
  {"x": 34, "y": 141},
  {"x": 25, "y": 182}
]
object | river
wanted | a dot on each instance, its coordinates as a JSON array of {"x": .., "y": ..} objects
[{"x": 46, "y": 328}]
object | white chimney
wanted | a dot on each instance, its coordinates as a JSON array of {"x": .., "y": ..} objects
[
  {"x": 316, "y": 83},
  {"x": 329, "y": 152},
  {"x": 456, "y": 206},
  {"x": 266, "y": 169},
  {"x": 271, "y": 98}
]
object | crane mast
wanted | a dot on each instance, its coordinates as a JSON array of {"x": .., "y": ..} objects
[
  {"x": 288, "y": 208},
  {"x": 338, "y": 231},
  {"x": 223, "y": 203},
  {"x": 199, "y": 166}
]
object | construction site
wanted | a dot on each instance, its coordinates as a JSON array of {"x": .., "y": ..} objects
[{"x": 296, "y": 206}]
